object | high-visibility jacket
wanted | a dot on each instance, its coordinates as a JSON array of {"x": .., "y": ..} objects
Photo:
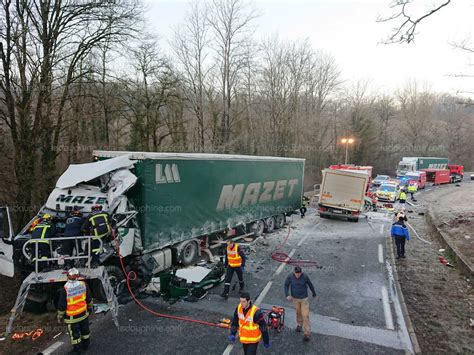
[
  {"x": 412, "y": 188},
  {"x": 403, "y": 196},
  {"x": 304, "y": 201},
  {"x": 76, "y": 294},
  {"x": 99, "y": 223},
  {"x": 233, "y": 257},
  {"x": 249, "y": 332},
  {"x": 41, "y": 231}
]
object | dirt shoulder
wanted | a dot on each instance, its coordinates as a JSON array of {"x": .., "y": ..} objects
[
  {"x": 453, "y": 215},
  {"x": 439, "y": 298}
]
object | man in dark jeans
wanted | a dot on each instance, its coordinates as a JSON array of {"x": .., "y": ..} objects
[
  {"x": 401, "y": 234},
  {"x": 299, "y": 283}
]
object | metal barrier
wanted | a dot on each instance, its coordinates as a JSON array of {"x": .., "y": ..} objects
[{"x": 63, "y": 257}]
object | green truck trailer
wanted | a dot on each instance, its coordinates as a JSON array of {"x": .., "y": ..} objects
[
  {"x": 169, "y": 207},
  {"x": 413, "y": 164}
]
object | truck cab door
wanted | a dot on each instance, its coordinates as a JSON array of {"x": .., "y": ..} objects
[{"x": 6, "y": 246}]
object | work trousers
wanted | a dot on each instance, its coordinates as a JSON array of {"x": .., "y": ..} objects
[
  {"x": 68, "y": 249},
  {"x": 303, "y": 211},
  {"x": 79, "y": 334},
  {"x": 302, "y": 314},
  {"x": 43, "y": 252},
  {"x": 250, "y": 349},
  {"x": 228, "y": 278},
  {"x": 400, "y": 243}
]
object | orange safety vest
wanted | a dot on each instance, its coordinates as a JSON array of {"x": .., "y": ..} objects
[
  {"x": 233, "y": 257},
  {"x": 249, "y": 332},
  {"x": 76, "y": 298}
]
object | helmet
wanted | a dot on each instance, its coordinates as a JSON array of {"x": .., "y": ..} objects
[
  {"x": 76, "y": 213},
  {"x": 46, "y": 217},
  {"x": 96, "y": 208},
  {"x": 73, "y": 274}
]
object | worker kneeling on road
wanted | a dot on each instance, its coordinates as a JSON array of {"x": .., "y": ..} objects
[
  {"x": 249, "y": 320},
  {"x": 299, "y": 283},
  {"x": 235, "y": 262},
  {"x": 401, "y": 234},
  {"x": 98, "y": 225},
  {"x": 74, "y": 306}
]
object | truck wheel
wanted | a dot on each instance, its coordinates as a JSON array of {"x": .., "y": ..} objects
[
  {"x": 189, "y": 253},
  {"x": 258, "y": 228},
  {"x": 279, "y": 221},
  {"x": 270, "y": 224}
]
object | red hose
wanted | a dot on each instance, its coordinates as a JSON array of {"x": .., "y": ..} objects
[
  {"x": 285, "y": 258},
  {"x": 185, "y": 319}
]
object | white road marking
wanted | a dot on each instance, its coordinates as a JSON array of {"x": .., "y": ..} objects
[
  {"x": 382, "y": 227},
  {"x": 52, "y": 348},
  {"x": 262, "y": 295},
  {"x": 380, "y": 254},
  {"x": 282, "y": 266},
  {"x": 386, "y": 309}
]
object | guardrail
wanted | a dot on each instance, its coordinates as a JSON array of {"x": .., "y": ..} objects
[{"x": 62, "y": 257}]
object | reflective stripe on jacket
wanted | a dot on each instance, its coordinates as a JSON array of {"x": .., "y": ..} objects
[
  {"x": 41, "y": 231},
  {"x": 75, "y": 298},
  {"x": 249, "y": 332},
  {"x": 233, "y": 257}
]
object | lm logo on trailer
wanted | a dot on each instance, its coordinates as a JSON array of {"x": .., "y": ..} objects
[{"x": 167, "y": 173}]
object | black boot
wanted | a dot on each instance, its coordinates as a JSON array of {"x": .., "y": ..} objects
[
  {"x": 242, "y": 286},
  {"x": 225, "y": 293}
]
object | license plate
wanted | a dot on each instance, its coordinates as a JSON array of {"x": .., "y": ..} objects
[{"x": 337, "y": 211}]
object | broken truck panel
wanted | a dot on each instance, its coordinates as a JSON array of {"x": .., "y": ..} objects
[
  {"x": 80, "y": 173},
  {"x": 184, "y": 196}
]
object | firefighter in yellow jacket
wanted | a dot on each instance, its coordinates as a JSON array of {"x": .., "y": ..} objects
[{"x": 74, "y": 306}]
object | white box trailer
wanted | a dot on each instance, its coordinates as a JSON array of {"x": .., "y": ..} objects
[{"x": 342, "y": 193}]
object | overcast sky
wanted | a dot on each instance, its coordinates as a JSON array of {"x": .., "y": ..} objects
[{"x": 348, "y": 30}]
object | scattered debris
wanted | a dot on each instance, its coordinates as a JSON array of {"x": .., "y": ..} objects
[
  {"x": 445, "y": 261},
  {"x": 421, "y": 213},
  {"x": 441, "y": 250},
  {"x": 57, "y": 335},
  {"x": 35, "y": 334},
  {"x": 101, "y": 308},
  {"x": 467, "y": 237}
]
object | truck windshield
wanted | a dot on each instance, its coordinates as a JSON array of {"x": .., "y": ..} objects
[
  {"x": 412, "y": 177},
  {"x": 387, "y": 188},
  {"x": 403, "y": 167}
]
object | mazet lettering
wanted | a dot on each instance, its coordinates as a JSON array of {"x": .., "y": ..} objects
[
  {"x": 81, "y": 200},
  {"x": 240, "y": 195}
]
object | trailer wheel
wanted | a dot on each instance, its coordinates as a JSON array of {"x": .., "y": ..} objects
[
  {"x": 258, "y": 228},
  {"x": 189, "y": 253},
  {"x": 270, "y": 224},
  {"x": 279, "y": 221}
]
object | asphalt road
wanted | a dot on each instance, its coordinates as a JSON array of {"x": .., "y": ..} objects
[{"x": 356, "y": 310}]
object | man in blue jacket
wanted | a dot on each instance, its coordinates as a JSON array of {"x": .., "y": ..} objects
[
  {"x": 401, "y": 234},
  {"x": 299, "y": 283}
]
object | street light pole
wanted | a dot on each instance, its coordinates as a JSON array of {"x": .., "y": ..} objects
[{"x": 347, "y": 141}]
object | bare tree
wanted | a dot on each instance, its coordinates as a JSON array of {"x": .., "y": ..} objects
[
  {"x": 42, "y": 44},
  {"x": 407, "y": 21},
  {"x": 190, "y": 44},
  {"x": 231, "y": 22}
]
